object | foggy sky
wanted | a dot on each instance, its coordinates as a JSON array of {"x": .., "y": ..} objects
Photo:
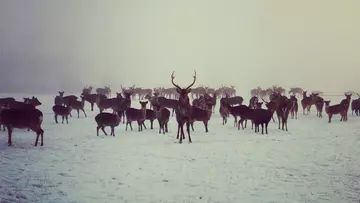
[{"x": 65, "y": 44}]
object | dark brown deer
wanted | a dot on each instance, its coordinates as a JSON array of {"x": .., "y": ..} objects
[
  {"x": 272, "y": 105},
  {"x": 30, "y": 118},
  {"x": 284, "y": 105},
  {"x": 355, "y": 106},
  {"x": 294, "y": 110},
  {"x": 262, "y": 117},
  {"x": 236, "y": 111},
  {"x": 6, "y": 101},
  {"x": 211, "y": 100},
  {"x": 237, "y": 100},
  {"x": 248, "y": 114},
  {"x": 138, "y": 115},
  {"x": 152, "y": 99},
  {"x": 183, "y": 110},
  {"x": 105, "y": 119},
  {"x": 63, "y": 111},
  {"x": 346, "y": 103},
  {"x": 163, "y": 116},
  {"x": 78, "y": 105},
  {"x": 335, "y": 109}
]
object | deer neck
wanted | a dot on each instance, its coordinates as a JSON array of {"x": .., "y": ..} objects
[{"x": 143, "y": 112}]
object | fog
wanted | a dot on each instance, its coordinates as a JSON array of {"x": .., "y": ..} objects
[{"x": 46, "y": 45}]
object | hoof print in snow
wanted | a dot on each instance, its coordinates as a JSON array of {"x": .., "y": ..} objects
[
  {"x": 113, "y": 178},
  {"x": 165, "y": 181}
]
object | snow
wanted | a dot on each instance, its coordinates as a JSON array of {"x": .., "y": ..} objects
[{"x": 313, "y": 162}]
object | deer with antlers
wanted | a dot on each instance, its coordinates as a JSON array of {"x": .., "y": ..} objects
[{"x": 183, "y": 111}]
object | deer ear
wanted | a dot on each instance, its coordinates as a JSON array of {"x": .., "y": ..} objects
[
  {"x": 188, "y": 90},
  {"x": 178, "y": 90}
]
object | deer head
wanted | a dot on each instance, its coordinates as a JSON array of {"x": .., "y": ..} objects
[
  {"x": 61, "y": 93},
  {"x": 183, "y": 92}
]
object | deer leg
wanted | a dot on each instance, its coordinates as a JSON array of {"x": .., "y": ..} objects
[
  {"x": 173, "y": 111},
  {"x": 273, "y": 119},
  {"x": 279, "y": 120},
  {"x": 103, "y": 129},
  {"x": 192, "y": 126},
  {"x": 113, "y": 130},
  {"x": 262, "y": 128},
  {"x": 130, "y": 123},
  {"x": 62, "y": 119},
  {"x": 92, "y": 106},
  {"x": 330, "y": 115},
  {"x": 9, "y": 128},
  {"x": 151, "y": 124},
  {"x": 238, "y": 125},
  {"x": 143, "y": 124},
  {"x": 123, "y": 115},
  {"x": 55, "y": 118},
  {"x": 84, "y": 112},
  {"x": 188, "y": 131},
  {"x": 77, "y": 110},
  {"x": 266, "y": 128},
  {"x": 245, "y": 123},
  {"x": 67, "y": 120},
  {"x": 97, "y": 130},
  {"x": 182, "y": 132},
  {"x": 159, "y": 126},
  {"x": 206, "y": 126}
]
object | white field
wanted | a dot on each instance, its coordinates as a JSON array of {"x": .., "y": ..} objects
[{"x": 313, "y": 162}]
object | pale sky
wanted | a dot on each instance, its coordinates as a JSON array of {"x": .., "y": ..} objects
[{"x": 314, "y": 44}]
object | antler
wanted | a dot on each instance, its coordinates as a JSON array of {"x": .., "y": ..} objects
[
  {"x": 193, "y": 81},
  {"x": 172, "y": 80}
]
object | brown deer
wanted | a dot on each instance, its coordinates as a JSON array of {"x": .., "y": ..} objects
[
  {"x": 63, "y": 111},
  {"x": 163, "y": 116},
  {"x": 6, "y": 101},
  {"x": 262, "y": 117},
  {"x": 108, "y": 119},
  {"x": 59, "y": 98},
  {"x": 201, "y": 113},
  {"x": 150, "y": 116},
  {"x": 319, "y": 104},
  {"x": 138, "y": 115},
  {"x": 355, "y": 106},
  {"x": 30, "y": 118},
  {"x": 78, "y": 105},
  {"x": 183, "y": 110},
  {"x": 346, "y": 103},
  {"x": 335, "y": 109},
  {"x": 91, "y": 98},
  {"x": 224, "y": 111},
  {"x": 306, "y": 103},
  {"x": 237, "y": 100},
  {"x": 248, "y": 114},
  {"x": 294, "y": 110}
]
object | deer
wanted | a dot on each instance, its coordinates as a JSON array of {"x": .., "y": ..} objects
[
  {"x": 138, "y": 115},
  {"x": 30, "y": 118},
  {"x": 183, "y": 110},
  {"x": 319, "y": 104},
  {"x": 152, "y": 99},
  {"x": 237, "y": 100},
  {"x": 63, "y": 111},
  {"x": 253, "y": 101},
  {"x": 151, "y": 116},
  {"x": 294, "y": 110},
  {"x": 59, "y": 98},
  {"x": 6, "y": 101},
  {"x": 355, "y": 106},
  {"x": 262, "y": 117},
  {"x": 201, "y": 113},
  {"x": 163, "y": 116},
  {"x": 346, "y": 103},
  {"x": 335, "y": 109},
  {"x": 91, "y": 98},
  {"x": 306, "y": 103},
  {"x": 248, "y": 114},
  {"x": 104, "y": 119},
  {"x": 224, "y": 111},
  {"x": 78, "y": 105}
]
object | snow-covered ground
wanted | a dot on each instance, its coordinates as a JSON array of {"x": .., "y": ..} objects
[{"x": 313, "y": 162}]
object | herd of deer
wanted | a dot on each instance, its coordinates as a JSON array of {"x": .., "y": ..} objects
[{"x": 17, "y": 114}]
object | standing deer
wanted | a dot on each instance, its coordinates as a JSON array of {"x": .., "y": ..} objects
[
  {"x": 294, "y": 110},
  {"x": 306, "y": 103},
  {"x": 63, "y": 111},
  {"x": 138, "y": 115},
  {"x": 108, "y": 119},
  {"x": 183, "y": 110},
  {"x": 335, "y": 109},
  {"x": 79, "y": 105},
  {"x": 30, "y": 118},
  {"x": 163, "y": 116},
  {"x": 346, "y": 103}
]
